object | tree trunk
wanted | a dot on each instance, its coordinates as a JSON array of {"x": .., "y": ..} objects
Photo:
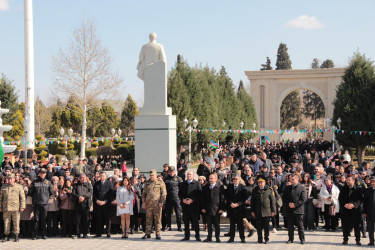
[
  {"x": 83, "y": 138},
  {"x": 360, "y": 154}
]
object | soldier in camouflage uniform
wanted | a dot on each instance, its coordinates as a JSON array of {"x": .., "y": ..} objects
[
  {"x": 12, "y": 203},
  {"x": 153, "y": 197}
]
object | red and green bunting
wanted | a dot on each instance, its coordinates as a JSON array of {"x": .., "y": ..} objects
[{"x": 279, "y": 131}]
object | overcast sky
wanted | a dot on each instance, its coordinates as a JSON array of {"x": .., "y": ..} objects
[{"x": 236, "y": 34}]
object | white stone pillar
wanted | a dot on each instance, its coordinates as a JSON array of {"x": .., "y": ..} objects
[{"x": 29, "y": 74}]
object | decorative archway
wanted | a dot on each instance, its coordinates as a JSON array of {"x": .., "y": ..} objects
[{"x": 268, "y": 89}]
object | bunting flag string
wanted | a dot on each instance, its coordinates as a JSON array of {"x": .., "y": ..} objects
[
  {"x": 18, "y": 141},
  {"x": 281, "y": 131}
]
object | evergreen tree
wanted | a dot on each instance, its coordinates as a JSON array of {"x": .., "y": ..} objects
[
  {"x": 248, "y": 114},
  {"x": 109, "y": 120},
  {"x": 94, "y": 121},
  {"x": 283, "y": 61},
  {"x": 178, "y": 97},
  {"x": 354, "y": 104},
  {"x": 9, "y": 98},
  {"x": 327, "y": 64},
  {"x": 290, "y": 111},
  {"x": 267, "y": 65},
  {"x": 315, "y": 63},
  {"x": 128, "y": 114},
  {"x": 313, "y": 106}
]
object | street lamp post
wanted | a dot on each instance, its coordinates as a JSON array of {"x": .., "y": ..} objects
[
  {"x": 190, "y": 129},
  {"x": 254, "y": 125}
]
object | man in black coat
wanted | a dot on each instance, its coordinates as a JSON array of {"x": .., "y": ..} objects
[
  {"x": 263, "y": 207},
  {"x": 40, "y": 191},
  {"x": 82, "y": 194},
  {"x": 172, "y": 181},
  {"x": 190, "y": 192},
  {"x": 350, "y": 199},
  {"x": 294, "y": 198},
  {"x": 369, "y": 209},
  {"x": 213, "y": 205},
  {"x": 236, "y": 197},
  {"x": 102, "y": 200}
]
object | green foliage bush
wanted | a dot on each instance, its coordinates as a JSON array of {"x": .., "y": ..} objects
[{"x": 127, "y": 151}]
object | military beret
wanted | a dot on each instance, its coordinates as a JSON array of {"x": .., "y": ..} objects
[
  {"x": 294, "y": 161},
  {"x": 10, "y": 176},
  {"x": 153, "y": 171},
  {"x": 172, "y": 168},
  {"x": 345, "y": 162}
]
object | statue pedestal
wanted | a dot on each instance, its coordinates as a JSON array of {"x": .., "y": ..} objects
[
  {"x": 155, "y": 142},
  {"x": 155, "y": 127}
]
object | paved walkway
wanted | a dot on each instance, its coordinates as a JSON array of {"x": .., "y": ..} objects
[{"x": 171, "y": 240}]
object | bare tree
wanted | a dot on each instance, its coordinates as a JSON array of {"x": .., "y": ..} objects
[
  {"x": 43, "y": 117},
  {"x": 84, "y": 69}
]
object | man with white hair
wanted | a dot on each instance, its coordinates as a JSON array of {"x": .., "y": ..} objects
[{"x": 190, "y": 192}]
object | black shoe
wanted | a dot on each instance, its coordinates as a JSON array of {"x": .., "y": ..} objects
[
  {"x": 266, "y": 242},
  {"x": 33, "y": 237},
  {"x": 289, "y": 242},
  {"x": 302, "y": 242},
  {"x": 251, "y": 233},
  {"x": 198, "y": 239},
  {"x": 79, "y": 236},
  {"x": 345, "y": 242},
  {"x": 364, "y": 235},
  {"x": 84, "y": 236},
  {"x": 146, "y": 236},
  {"x": 167, "y": 229},
  {"x": 16, "y": 238},
  {"x": 230, "y": 241},
  {"x": 44, "y": 237},
  {"x": 158, "y": 237},
  {"x": 108, "y": 236},
  {"x": 180, "y": 229},
  {"x": 358, "y": 243},
  {"x": 6, "y": 238},
  {"x": 207, "y": 240},
  {"x": 370, "y": 244},
  {"x": 243, "y": 241},
  {"x": 97, "y": 236},
  {"x": 218, "y": 240},
  {"x": 184, "y": 239},
  {"x": 259, "y": 242},
  {"x": 227, "y": 234}
]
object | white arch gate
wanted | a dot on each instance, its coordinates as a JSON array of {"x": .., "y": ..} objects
[{"x": 268, "y": 89}]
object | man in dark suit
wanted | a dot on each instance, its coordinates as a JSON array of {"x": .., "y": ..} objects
[
  {"x": 190, "y": 192},
  {"x": 236, "y": 197},
  {"x": 369, "y": 209},
  {"x": 350, "y": 200},
  {"x": 263, "y": 207},
  {"x": 212, "y": 206},
  {"x": 294, "y": 199},
  {"x": 102, "y": 200}
]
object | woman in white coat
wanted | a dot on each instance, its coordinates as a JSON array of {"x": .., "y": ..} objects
[
  {"x": 330, "y": 197},
  {"x": 125, "y": 198}
]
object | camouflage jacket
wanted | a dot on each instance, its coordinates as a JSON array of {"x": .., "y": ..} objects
[
  {"x": 154, "y": 191},
  {"x": 12, "y": 198}
]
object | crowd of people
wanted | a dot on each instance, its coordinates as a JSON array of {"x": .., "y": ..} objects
[{"x": 303, "y": 184}]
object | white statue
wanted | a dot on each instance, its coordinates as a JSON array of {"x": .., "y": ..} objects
[{"x": 150, "y": 53}]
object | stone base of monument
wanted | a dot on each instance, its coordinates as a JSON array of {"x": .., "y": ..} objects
[{"x": 155, "y": 142}]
